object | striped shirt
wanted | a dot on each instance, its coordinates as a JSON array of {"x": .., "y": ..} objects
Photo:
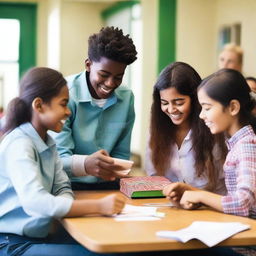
[{"x": 240, "y": 173}]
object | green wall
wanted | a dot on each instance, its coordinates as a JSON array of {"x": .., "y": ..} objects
[
  {"x": 26, "y": 14},
  {"x": 166, "y": 33}
]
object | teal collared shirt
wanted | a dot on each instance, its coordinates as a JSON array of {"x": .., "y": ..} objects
[
  {"x": 33, "y": 186},
  {"x": 90, "y": 128}
]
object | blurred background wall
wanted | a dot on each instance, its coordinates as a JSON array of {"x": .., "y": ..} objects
[{"x": 192, "y": 31}]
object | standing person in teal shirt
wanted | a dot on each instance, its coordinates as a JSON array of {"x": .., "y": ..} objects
[{"x": 102, "y": 113}]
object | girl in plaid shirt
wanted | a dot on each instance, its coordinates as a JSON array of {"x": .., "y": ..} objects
[{"x": 226, "y": 108}]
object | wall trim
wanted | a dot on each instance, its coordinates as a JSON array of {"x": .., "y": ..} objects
[
  {"x": 117, "y": 8},
  {"x": 166, "y": 33},
  {"x": 26, "y": 13}
]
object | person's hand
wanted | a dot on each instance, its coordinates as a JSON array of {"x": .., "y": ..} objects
[
  {"x": 190, "y": 200},
  {"x": 100, "y": 164},
  {"x": 174, "y": 191},
  {"x": 112, "y": 204}
]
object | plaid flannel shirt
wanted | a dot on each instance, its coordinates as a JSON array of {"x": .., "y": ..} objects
[{"x": 240, "y": 173}]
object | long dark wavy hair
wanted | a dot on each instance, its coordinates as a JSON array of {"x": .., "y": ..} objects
[
  {"x": 42, "y": 82},
  {"x": 185, "y": 80}
]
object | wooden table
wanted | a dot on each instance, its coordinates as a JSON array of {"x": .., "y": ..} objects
[{"x": 104, "y": 234}]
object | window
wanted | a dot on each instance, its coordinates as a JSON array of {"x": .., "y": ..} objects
[
  {"x": 9, "y": 60},
  {"x": 17, "y": 46},
  {"x": 230, "y": 33}
]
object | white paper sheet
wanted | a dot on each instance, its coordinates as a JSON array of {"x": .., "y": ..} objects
[
  {"x": 210, "y": 233},
  {"x": 133, "y": 218},
  {"x": 138, "y": 213},
  {"x": 160, "y": 204}
]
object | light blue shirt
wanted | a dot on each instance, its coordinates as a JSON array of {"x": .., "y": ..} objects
[
  {"x": 33, "y": 186},
  {"x": 90, "y": 127}
]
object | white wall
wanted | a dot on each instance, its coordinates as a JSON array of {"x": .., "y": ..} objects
[
  {"x": 198, "y": 25},
  {"x": 233, "y": 11},
  {"x": 78, "y": 21},
  {"x": 42, "y": 37},
  {"x": 194, "y": 32},
  {"x": 149, "y": 64},
  {"x": 53, "y": 33}
]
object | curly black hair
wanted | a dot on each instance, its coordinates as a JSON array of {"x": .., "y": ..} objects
[{"x": 111, "y": 43}]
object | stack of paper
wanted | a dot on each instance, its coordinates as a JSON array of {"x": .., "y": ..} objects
[
  {"x": 138, "y": 213},
  {"x": 210, "y": 233}
]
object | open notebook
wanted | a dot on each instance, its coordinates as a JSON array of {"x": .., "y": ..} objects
[{"x": 208, "y": 232}]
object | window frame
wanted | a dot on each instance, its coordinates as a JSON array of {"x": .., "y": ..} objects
[{"x": 26, "y": 13}]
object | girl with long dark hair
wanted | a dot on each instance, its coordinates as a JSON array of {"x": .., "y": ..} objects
[{"x": 180, "y": 146}]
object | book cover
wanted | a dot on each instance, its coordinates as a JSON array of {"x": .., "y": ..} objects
[{"x": 143, "y": 186}]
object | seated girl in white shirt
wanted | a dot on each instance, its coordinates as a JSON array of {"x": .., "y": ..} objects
[{"x": 180, "y": 147}]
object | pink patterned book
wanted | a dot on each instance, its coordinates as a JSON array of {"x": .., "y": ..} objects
[{"x": 143, "y": 186}]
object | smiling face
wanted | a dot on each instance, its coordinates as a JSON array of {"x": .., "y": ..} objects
[
  {"x": 229, "y": 59},
  {"x": 105, "y": 76},
  {"x": 175, "y": 105},
  {"x": 53, "y": 114},
  {"x": 217, "y": 117}
]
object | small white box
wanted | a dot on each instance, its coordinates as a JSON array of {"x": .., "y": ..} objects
[{"x": 126, "y": 164}]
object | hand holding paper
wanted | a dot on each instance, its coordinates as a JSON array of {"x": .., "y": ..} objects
[{"x": 125, "y": 164}]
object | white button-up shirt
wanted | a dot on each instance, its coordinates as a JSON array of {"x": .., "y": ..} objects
[{"x": 181, "y": 168}]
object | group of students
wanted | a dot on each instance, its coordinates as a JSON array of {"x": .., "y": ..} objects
[
  {"x": 90, "y": 116},
  {"x": 193, "y": 151}
]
